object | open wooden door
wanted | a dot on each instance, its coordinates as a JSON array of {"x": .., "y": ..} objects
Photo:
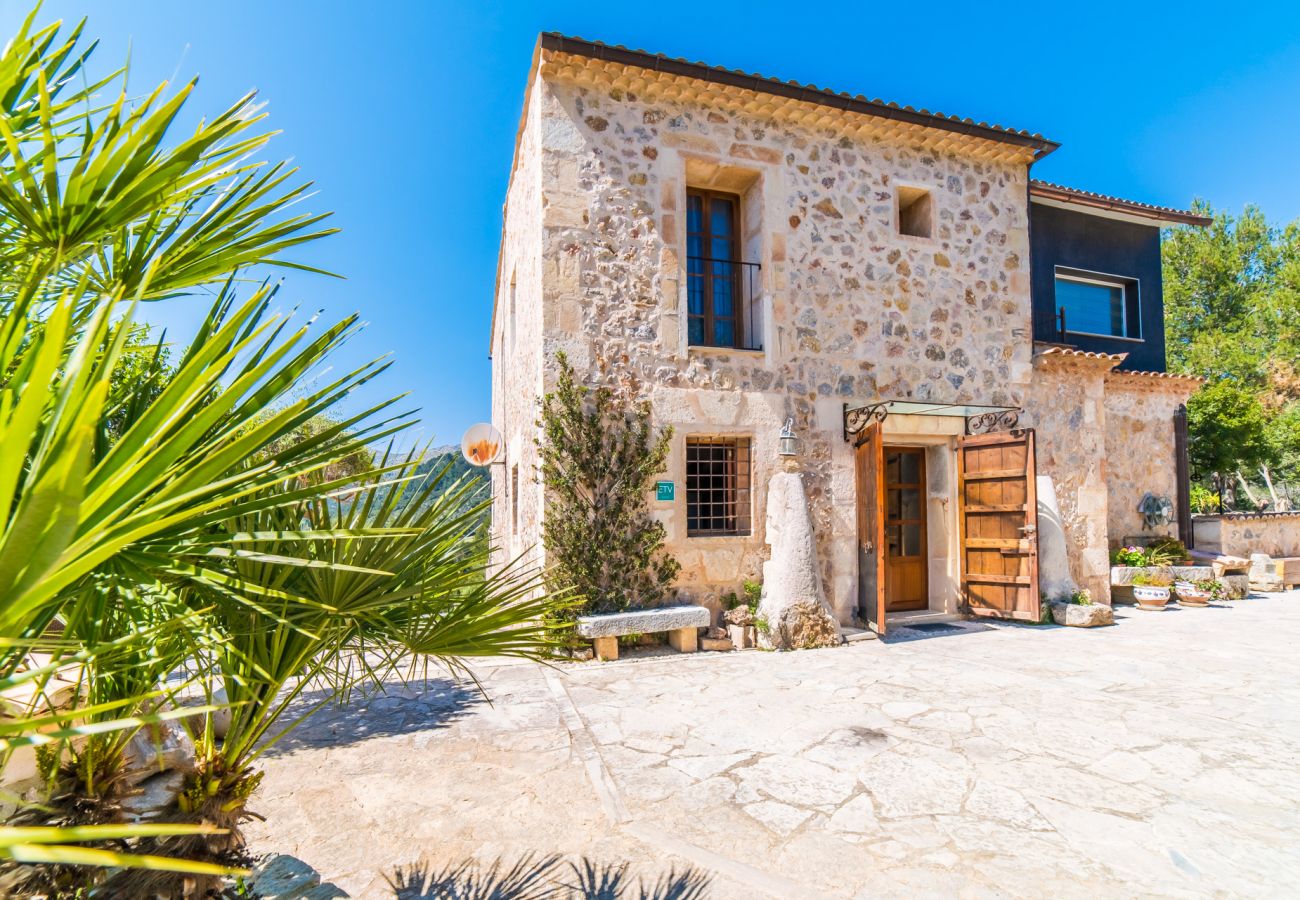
[
  {"x": 998, "y": 509},
  {"x": 869, "y": 465}
]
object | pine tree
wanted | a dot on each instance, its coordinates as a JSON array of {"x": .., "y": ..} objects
[{"x": 599, "y": 453}]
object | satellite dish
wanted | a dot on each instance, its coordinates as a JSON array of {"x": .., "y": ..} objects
[{"x": 481, "y": 444}]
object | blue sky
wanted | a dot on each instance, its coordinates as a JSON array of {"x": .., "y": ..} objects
[{"x": 404, "y": 114}]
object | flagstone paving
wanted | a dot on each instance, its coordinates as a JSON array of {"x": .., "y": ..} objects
[{"x": 1158, "y": 757}]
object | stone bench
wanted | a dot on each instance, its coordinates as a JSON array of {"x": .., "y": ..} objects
[{"x": 680, "y": 622}]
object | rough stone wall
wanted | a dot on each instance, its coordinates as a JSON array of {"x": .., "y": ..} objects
[
  {"x": 517, "y": 351},
  {"x": 852, "y": 309},
  {"x": 1066, "y": 407},
  {"x": 1277, "y": 534},
  {"x": 1140, "y": 448}
]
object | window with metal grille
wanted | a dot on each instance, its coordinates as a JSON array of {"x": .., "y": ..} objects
[{"x": 717, "y": 486}]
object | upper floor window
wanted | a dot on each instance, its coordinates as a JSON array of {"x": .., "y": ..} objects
[
  {"x": 720, "y": 286},
  {"x": 1088, "y": 303},
  {"x": 915, "y": 212}
]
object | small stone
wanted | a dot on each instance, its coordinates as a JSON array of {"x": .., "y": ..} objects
[
  {"x": 827, "y": 208},
  {"x": 741, "y": 615},
  {"x": 158, "y": 748},
  {"x": 721, "y": 645},
  {"x": 153, "y": 795},
  {"x": 1081, "y": 615},
  {"x": 596, "y": 123}
]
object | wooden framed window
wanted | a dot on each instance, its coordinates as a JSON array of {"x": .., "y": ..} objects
[
  {"x": 715, "y": 274},
  {"x": 717, "y": 486}
]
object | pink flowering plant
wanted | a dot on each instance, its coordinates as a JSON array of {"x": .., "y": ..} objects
[{"x": 1128, "y": 556}]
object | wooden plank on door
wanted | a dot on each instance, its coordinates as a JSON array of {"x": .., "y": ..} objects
[
  {"x": 998, "y": 513},
  {"x": 869, "y": 471}
]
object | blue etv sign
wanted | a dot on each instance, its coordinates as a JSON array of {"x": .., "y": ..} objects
[{"x": 664, "y": 490}]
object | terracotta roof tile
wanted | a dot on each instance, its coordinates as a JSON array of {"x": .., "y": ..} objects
[
  {"x": 1165, "y": 214},
  {"x": 1164, "y": 376},
  {"x": 1072, "y": 353},
  {"x": 795, "y": 90}
]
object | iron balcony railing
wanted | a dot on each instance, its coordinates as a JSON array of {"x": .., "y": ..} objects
[{"x": 724, "y": 307}]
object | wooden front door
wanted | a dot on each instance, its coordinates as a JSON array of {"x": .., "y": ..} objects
[
  {"x": 869, "y": 469},
  {"x": 905, "y": 557},
  {"x": 998, "y": 508}
]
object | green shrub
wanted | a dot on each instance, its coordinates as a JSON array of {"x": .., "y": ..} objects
[
  {"x": 599, "y": 454},
  {"x": 1128, "y": 556},
  {"x": 1159, "y": 579},
  {"x": 1166, "y": 551}
]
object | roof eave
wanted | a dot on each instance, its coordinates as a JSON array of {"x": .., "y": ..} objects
[
  {"x": 560, "y": 43},
  {"x": 1156, "y": 215}
]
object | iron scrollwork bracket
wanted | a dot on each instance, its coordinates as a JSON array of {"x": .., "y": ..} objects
[
  {"x": 990, "y": 422},
  {"x": 859, "y": 417}
]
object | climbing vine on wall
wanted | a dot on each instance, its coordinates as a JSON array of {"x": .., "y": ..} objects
[{"x": 599, "y": 453}]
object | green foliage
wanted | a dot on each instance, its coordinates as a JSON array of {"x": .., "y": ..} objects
[
  {"x": 210, "y": 508},
  {"x": 1166, "y": 551},
  {"x": 599, "y": 454},
  {"x": 1128, "y": 556},
  {"x": 1156, "y": 579},
  {"x": 1228, "y": 429},
  {"x": 753, "y": 593},
  {"x": 1232, "y": 316},
  {"x": 1203, "y": 499}
]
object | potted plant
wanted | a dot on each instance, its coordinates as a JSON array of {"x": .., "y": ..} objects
[
  {"x": 1151, "y": 591},
  {"x": 1131, "y": 557},
  {"x": 1197, "y": 593},
  {"x": 740, "y": 616},
  {"x": 1166, "y": 551}
]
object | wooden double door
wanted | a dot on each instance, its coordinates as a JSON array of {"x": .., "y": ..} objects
[{"x": 997, "y": 522}]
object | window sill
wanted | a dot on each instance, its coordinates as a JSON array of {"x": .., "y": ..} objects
[
  {"x": 711, "y": 350},
  {"x": 1105, "y": 337},
  {"x": 719, "y": 537}
]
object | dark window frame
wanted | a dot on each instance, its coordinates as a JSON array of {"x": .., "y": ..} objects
[
  {"x": 1131, "y": 291},
  {"x": 707, "y": 278},
  {"x": 719, "y": 486}
]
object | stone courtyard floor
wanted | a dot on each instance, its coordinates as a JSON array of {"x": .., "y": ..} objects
[{"x": 1160, "y": 757}]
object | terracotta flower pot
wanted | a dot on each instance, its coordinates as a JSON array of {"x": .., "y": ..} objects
[{"x": 1150, "y": 597}]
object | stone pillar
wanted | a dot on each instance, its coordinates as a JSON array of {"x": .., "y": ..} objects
[{"x": 793, "y": 605}]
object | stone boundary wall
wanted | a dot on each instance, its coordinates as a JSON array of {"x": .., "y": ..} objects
[{"x": 1241, "y": 534}]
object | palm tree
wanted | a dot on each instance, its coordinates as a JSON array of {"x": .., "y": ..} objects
[{"x": 164, "y": 515}]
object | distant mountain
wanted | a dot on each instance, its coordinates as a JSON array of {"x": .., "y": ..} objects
[{"x": 457, "y": 469}]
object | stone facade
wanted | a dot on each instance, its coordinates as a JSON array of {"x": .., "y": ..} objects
[
  {"x": 1066, "y": 407},
  {"x": 1241, "y": 534},
  {"x": 847, "y": 308},
  {"x": 1140, "y": 447}
]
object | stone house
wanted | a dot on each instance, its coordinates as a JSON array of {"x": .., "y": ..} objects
[{"x": 973, "y": 360}]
